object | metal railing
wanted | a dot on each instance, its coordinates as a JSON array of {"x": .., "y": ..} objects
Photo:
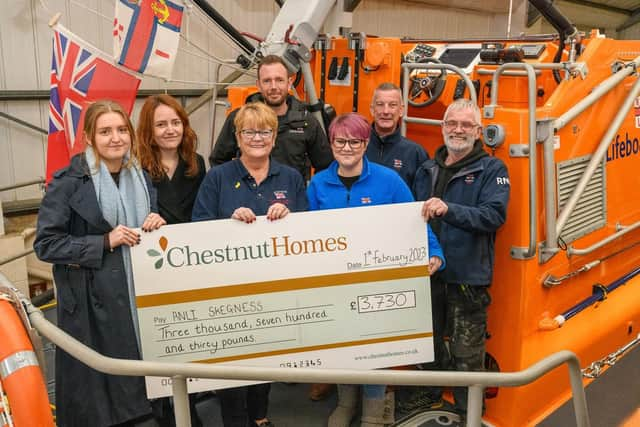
[
  {"x": 571, "y": 250},
  {"x": 23, "y": 123},
  {"x": 548, "y": 129},
  {"x": 544, "y": 131},
  {"x": 476, "y": 382},
  {"x": 22, "y": 184},
  {"x": 17, "y": 255},
  {"x": 530, "y": 250},
  {"x": 406, "y": 69},
  {"x": 594, "y": 162},
  {"x": 180, "y": 372}
]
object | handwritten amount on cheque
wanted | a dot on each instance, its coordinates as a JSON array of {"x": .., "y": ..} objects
[
  {"x": 230, "y": 325},
  {"x": 217, "y": 328}
]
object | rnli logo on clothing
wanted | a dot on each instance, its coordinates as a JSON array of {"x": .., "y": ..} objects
[
  {"x": 469, "y": 179},
  {"x": 365, "y": 200},
  {"x": 298, "y": 130},
  {"x": 397, "y": 163},
  {"x": 280, "y": 195},
  {"x": 153, "y": 253}
]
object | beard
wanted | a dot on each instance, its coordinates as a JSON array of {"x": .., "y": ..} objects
[
  {"x": 273, "y": 101},
  {"x": 456, "y": 146}
]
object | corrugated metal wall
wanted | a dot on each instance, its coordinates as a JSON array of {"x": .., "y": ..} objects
[
  {"x": 418, "y": 20},
  {"x": 587, "y": 17},
  {"x": 21, "y": 150},
  {"x": 25, "y": 46},
  {"x": 631, "y": 33}
]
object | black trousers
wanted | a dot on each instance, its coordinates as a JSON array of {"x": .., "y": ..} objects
[
  {"x": 241, "y": 406},
  {"x": 163, "y": 412}
]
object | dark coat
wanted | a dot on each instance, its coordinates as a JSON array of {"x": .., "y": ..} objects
[
  {"x": 93, "y": 302},
  {"x": 396, "y": 152},
  {"x": 477, "y": 197},
  {"x": 300, "y": 140}
]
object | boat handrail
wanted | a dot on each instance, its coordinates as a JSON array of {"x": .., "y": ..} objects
[
  {"x": 486, "y": 72},
  {"x": 528, "y": 251},
  {"x": 476, "y": 382},
  {"x": 556, "y": 224},
  {"x": 406, "y": 68},
  {"x": 571, "y": 250},
  {"x": 547, "y": 132},
  {"x": 598, "y": 92},
  {"x": 516, "y": 252},
  {"x": 595, "y": 161}
]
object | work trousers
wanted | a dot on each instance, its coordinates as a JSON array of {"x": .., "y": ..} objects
[{"x": 466, "y": 326}]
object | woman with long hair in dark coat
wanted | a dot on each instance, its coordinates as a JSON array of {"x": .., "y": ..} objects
[{"x": 86, "y": 225}]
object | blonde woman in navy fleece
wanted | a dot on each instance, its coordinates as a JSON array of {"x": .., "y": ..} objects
[{"x": 251, "y": 185}]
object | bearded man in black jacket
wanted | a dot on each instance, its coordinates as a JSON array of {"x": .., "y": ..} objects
[{"x": 300, "y": 143}]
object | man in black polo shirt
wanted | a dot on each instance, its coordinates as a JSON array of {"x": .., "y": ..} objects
[{"x": 300, "y": 142}]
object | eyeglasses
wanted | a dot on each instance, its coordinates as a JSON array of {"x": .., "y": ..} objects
[
  {"x": 466, "y": 126},
  {"x": 353, "y": 143},
  {"x": 251, "y": 133}
]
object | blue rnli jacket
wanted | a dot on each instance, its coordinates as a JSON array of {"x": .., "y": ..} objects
[
  {"x": 477, "y": 198},
  {"x": 396, "y": 152},
  {"x": 377, "y": 185}
]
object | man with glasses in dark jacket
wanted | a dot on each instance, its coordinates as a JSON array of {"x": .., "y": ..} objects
[{"x": 466, "y": 193}]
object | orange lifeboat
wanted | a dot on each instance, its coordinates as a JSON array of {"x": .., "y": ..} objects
[{"x": 20, "y": 375}]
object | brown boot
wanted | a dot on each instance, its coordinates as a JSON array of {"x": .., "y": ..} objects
[
  {"x": 320, "y": 391},
  {"x": 347, "y": 404}
]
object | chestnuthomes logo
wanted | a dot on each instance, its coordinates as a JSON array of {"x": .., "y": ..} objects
[
  {"x": 163, "y": 242},
  {"x": 186, "y": 255}
]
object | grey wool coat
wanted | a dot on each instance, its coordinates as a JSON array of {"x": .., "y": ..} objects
[{"x": 93, "y": 302}]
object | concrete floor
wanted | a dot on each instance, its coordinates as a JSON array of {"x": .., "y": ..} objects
[
  {"x": 289, "y": 406},
  {"x": 611, "y": 399}
]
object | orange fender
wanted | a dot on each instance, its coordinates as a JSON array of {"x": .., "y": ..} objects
[{"x": 20, "y": 373}]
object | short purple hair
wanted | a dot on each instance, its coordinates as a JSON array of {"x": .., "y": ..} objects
[{"x": 352, "y": 124}]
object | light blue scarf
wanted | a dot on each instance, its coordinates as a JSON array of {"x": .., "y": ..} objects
[{"x": 127, "y": 203}]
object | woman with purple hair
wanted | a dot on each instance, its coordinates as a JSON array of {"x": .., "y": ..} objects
[{"x": 352, "y": 181}]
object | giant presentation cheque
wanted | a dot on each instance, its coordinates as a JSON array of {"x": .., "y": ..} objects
[{"x": 344, "y": 288}]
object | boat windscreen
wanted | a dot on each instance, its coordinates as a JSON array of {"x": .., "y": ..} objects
[{"x": 460, "y": 57}]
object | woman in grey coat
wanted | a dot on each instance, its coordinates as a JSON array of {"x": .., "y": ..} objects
[{"x": 85, "y": 228}]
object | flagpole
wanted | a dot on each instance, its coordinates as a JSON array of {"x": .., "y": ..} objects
[{"x": 54, "y": 19}]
